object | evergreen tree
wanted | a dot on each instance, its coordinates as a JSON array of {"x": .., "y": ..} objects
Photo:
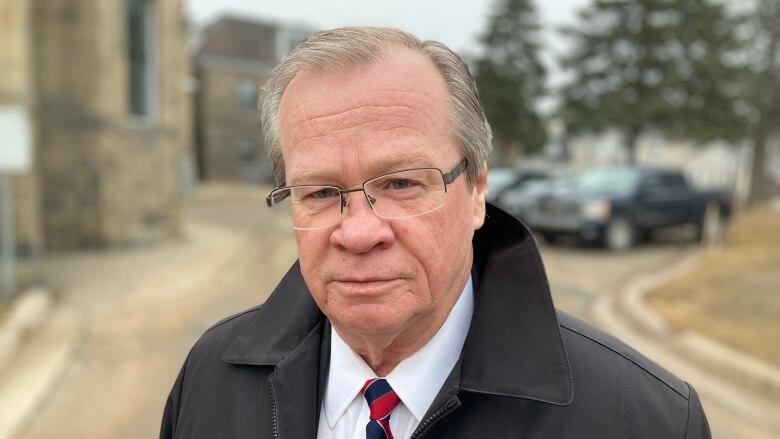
[
  {"x": 661, "y": 64},
  {"x": 510, "y": 76},
  {"x": 760, "y": 90}
]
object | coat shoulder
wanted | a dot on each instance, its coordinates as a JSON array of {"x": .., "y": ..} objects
[
  {"x": 649, "y": 400},
  {"x": 235, "y": 321},
  {"x": 209, "y": 397},
  {"x": 217, "y": 338},
  {"x": 580, "y": 337}
]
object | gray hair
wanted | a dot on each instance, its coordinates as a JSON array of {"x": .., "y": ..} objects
[{"x": 353, "y": 46}]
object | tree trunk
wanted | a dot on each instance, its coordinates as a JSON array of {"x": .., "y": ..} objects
[
  {"x": 761, "y": 186},
  {"x": 565, "y": 155},
  {"x": 632, "y": 139}
]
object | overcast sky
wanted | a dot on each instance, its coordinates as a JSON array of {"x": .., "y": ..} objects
[{"x": 456, "y": 23}]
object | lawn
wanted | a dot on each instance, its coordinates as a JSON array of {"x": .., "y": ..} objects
[{"x": 734, "y": 294}]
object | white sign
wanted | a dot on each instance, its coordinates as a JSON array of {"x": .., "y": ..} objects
[{"x": 15, "y": 140}]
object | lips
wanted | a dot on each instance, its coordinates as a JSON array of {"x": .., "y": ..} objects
[
  {"x": 366, "y": 286},
  {"x": 365, "y": 279}
]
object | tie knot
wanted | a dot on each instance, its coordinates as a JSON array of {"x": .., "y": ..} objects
[{"x": 380, "y": 397}]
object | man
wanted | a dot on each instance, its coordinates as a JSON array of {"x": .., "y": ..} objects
[{"x": 415, "y": 310}]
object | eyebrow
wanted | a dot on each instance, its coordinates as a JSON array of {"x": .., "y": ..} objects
[
  {"x": 400, "y": 161},
  {"x": 306, "y": 176},
  {"x": 379, "y": 166}
]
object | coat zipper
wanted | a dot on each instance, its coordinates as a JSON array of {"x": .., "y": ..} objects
[
  {"x": 274, "y": 420},
  {"x": 452, "y": 402}
]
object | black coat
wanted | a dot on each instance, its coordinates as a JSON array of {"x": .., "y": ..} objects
[{"x": 525, "y": 371}]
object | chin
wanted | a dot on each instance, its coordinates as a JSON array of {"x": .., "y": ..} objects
[{"x": 372, "y": 319}]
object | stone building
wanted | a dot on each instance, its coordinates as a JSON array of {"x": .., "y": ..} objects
[
  {"x": 103, "y": 86},
  {"x": 234, "y": 58}
]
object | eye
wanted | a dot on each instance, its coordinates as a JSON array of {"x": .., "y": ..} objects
[
  {"x": 324, "y": 193},
  {"x": 399, "y": 184}
]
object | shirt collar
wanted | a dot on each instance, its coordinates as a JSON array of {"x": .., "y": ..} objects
[{"x": 416, "y": 379}]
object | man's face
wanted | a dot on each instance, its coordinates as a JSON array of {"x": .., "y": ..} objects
[{"x": 370, "y": 275}]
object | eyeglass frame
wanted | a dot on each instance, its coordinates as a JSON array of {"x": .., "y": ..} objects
[{"x": 447, "y": 178}]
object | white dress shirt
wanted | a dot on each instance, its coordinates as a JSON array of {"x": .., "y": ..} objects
[{"x": 416, "y": 380}]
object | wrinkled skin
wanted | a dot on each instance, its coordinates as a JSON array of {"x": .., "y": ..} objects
[{"x": 386, "y": 285}]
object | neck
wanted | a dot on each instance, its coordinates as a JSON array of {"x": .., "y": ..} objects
[{"x": 382, "y": 353}]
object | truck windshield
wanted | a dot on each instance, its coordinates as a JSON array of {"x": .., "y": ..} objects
[{"x": 620, "y": 182}]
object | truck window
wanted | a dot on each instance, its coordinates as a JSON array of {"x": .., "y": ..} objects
[
  {"x": 663, "y": 181},
  {"x": 672, "y": 179}
]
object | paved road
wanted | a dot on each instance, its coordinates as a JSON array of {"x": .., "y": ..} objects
[
  {"x": 581, "y": 275},
  {"x": 143, "y": 309}
]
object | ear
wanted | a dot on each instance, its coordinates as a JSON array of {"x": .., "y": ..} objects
[{"x": 480, "y": 192}]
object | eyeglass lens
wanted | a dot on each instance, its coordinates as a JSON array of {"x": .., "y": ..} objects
[{"x": 398, "y": 195}]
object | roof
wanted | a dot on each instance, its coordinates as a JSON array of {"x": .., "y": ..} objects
[
  {"x": 236, "y": 38},
  {"x": 250, "y": 40}
]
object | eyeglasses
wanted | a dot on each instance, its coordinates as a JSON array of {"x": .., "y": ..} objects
[{"x": 401, "y": 194}]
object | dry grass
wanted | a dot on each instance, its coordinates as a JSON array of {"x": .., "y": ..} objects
[{"x": 734, "y": 295}]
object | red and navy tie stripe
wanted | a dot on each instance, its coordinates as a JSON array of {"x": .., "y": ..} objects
[{"x": 381, "y": 401}]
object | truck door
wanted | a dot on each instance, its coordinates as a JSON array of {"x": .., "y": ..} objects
[{"x": 664, "y": 199}]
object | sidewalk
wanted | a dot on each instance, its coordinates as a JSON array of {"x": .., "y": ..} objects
[
  {"x": 39, "y": 354},
  {"x": 142, "y": 308}
]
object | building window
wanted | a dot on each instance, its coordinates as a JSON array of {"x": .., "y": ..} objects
[
  {"x": 140, "y": 45},
  {"x": 246, "y": 91}
]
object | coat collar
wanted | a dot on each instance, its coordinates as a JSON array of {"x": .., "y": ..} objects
[{"x": 514, "y": 347}]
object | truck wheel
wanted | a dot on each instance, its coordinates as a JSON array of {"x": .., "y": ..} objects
[
  {"x": 711, "y": 225},
  {"x": 620, "y": 234}
]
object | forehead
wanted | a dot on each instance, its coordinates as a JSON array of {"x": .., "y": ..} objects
[{"x": 394, "y": 110}]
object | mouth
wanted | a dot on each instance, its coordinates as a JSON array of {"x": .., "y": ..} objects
[{"x": 366, "y": 286}]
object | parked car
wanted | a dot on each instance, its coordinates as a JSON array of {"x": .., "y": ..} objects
[
  {"x": 617, "y": 206},
  {"x": 517, "y": 200},
  {"x": 502, "y": 180}
]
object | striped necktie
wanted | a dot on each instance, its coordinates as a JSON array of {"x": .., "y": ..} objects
[{"x": 381, "y": 401}]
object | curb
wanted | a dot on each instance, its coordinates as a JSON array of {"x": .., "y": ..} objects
[
  {"x": 738, "y": 366},
  {"x": 27, "y": 314},
  {"x": 37, "y": 341}
]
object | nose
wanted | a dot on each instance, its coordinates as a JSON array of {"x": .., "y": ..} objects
[{"x": 360, "y": 229}]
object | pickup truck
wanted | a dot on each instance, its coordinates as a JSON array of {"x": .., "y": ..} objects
[{"x": 618, "y": 206}]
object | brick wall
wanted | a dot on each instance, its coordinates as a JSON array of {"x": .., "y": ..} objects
[{"x": 108, "y": 177}]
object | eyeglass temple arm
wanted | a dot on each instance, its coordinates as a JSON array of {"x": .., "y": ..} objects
[
  {"x": 452, "y": 175},
  {"x": 276, "y": 197}
]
